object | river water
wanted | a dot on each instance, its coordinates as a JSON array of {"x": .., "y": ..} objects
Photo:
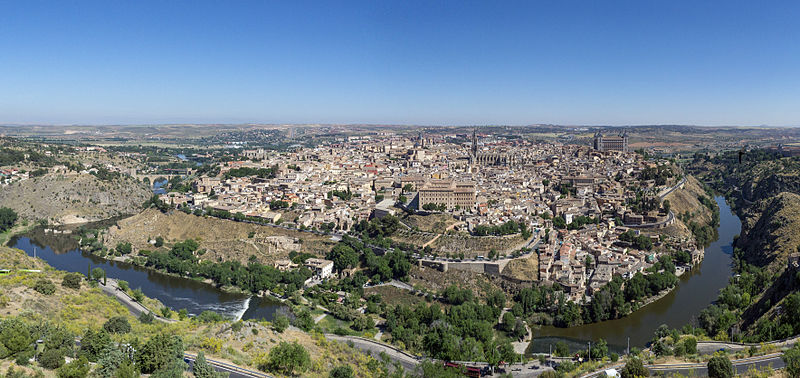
[
  {"x": 695, "y": 291},
  {"x": 61, "y": 251}
]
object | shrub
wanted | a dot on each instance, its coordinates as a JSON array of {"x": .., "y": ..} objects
[
  {"x": 343, "y": 371},
  {"x": 720, "y": 367},
  {"x": 212, "y": 344},
  {"x": 123, "y": 285},
  {"x": 98, "y": 274},
  {"x": 138, "y": 296},
  {"x": 51, "y": 359},
  {"x": 93, "y": 343},
  {"x": 209, "y": 316},
  {"x": 634, "y": 368},
  {"x": 78, "y": 368},
  {"x": 280, "y": 323},
  {"x": 72, "y": 281},
  {"x": 45, "y": 286},
  {"x": 237, "y": 326},
  {"x": 286, "y": 358},
  {"x": 124, "y": 248},
  {"x": 117, "y": 324},
  {"x": 147, "y": 317},
  {"x": 166, "y": 312}
]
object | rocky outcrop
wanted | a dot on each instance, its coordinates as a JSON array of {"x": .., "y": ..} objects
[{"x": 74, "y": 198}]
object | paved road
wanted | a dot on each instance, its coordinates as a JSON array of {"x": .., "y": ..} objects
[
  {"x": 742, "y": 366},
  {"x": 136, "y": 308},
  {"x": 232, "y": 370},
  {"x": 407, "y": 361}
]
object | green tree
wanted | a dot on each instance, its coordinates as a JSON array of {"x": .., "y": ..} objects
[
  {"x": 792, "y": 360},
  {"x": 343, "y": 257},
  {"x": 78, "y": 368},
  {"x": 146, "y": 317},
  {"x": 286, "y": 358},
  {"x": 138, "y": 295},
  {"x": 72, "y": 281},
  {"x": 720, "y": 367},
  {"x": 93, "y": 343},
  {"x": 97, "y": 274},
  {"x": 51, "y": 359},
  {"x": 44, "y": 286},
  {"x": 110, "y": 360},
  {"x": 7, "y": 218},
  {"x": 599, "y": 349},
  {"x": 126, "y": 370},
  {"x": 202, "y": 369},
  {"x": 341, "y": 371},
  {"x": 280, "y": 323},
  {"x": 117, "y": 324},
  {"x": 634, "y": 368},
  {"x": 690, "y": 345},
  {"x": 158, "y": 352},
  {"x": 16, "y": 337},
  {"x": 562, "y": 349},
  {"x": 123, "y": 248}
]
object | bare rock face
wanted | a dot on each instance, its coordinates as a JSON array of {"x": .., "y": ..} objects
[{"x": 74, "y": 198}]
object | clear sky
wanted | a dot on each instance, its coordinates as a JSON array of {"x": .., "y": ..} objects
[{"x": 404, "y": 62}]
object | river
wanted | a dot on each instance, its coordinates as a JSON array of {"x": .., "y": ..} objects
[
  {"x": 61, "y": 251},
  {"x": 695, "y": 291}
]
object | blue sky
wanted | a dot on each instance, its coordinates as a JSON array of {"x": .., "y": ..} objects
[{"x": 402, "y": 62}]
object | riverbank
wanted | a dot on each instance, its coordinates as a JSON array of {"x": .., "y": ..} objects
[
  {"x": 696, "y": 289},
  {"x": 171, "y": 290}
]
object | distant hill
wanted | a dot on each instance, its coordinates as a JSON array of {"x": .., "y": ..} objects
[{"x": 74, "y": 198}]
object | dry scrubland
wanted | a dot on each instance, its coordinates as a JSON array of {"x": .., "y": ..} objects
[
  {"x": 221, "y": 238},
  {"x": 683, "y": 200},
  {"x": 246, "y": 344},
  {"x": 437, "y": 223},
  {"x": 61, "y": 198},
  {"x": 525, "y": 269},
  {"x": 775, "y": 233}
]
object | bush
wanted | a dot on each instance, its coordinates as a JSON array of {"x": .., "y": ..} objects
[
  {"x": 720, "y": 367},
  {"x": 123, "y": 285},
  {"x": 690, "y": 345},
  {"x": 343, "y": 371},
  {"x": 93, "y": 343},
  {"x": 51, "y": 359},
  {"x": 280, "y": 323},
  {"x": 138, "y": 296},
  {"x": 7, "y": 218},
  {"x": 147, "y": 317},
  {"x": 117, "y": 324},
  {"x": 98, "y": 274},
  {"x": 237, "y": 326},
  {"x": 634, "y": 368},
  {"x": 24, "y": 358},
  {"x": 45, "y": 286},
  {"x": 166, "y": 312},
  {"x": 159, "y": 352},
  {"x": 123, "y": 248},
  {"x": 209, "y": 316},
  {"x": 72, "y": 281},
  {"x": 286, "y": 358},
  {"x": 78, "y": 368}
]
